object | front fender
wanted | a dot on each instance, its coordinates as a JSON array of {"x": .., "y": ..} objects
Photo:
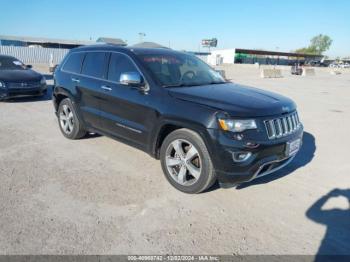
[{"x": 180, "y": 123}]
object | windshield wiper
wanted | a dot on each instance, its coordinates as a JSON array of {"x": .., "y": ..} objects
[
  {"x": 217, "y": 83},
  {"x": 195, "y": 84},
  {"x": 181, "y": 85}
]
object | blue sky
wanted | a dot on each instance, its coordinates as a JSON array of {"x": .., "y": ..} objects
[{"x": 266, "y": 24}]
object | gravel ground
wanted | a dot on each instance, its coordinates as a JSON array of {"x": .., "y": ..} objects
[{"x": 99, "y": 196}]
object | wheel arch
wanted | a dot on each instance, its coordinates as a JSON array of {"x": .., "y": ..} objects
[
  {"x": 59, "y": 94},
  {"x": 169, "y": 126}
]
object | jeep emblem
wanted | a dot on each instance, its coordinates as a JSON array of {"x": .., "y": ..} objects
[{"x": 285, "y": 109}]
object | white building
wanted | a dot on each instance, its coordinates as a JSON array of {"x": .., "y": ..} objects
[{"x": 225, "y": 56}]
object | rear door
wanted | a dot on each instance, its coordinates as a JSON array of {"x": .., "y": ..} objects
[
  {"x": 126, "y": 111},
  {"x": 89, "y": 86}
]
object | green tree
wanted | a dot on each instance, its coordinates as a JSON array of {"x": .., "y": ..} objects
[
  {"x": 306, "y": 50},
  {"x": 321, "y": 43},
  {"x": 318, "y": 45}
]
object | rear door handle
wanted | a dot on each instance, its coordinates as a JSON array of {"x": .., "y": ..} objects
[
  {"x": 106, "y": 88},
  {"x": 76, "y": 80}
]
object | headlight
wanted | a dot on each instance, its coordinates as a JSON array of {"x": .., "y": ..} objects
[
  {"x": 43, "y": 80},
  {"x": 237, "y": 125},
  {"x": 2, "y": 84}
]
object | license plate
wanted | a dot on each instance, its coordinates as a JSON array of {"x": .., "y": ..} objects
[{"x": 293, "y": 147}]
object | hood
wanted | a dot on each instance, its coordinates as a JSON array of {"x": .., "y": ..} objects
[
  {"x": 19, "y": 75},
  {"x": 237, "y": 100}
]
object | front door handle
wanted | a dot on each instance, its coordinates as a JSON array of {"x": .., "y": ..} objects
[
  {"x": 106, "y": 88},
  {"x": 76, "y": 80}
]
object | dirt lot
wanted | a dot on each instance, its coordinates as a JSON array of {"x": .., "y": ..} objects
[{"x": 99, "y": 196}]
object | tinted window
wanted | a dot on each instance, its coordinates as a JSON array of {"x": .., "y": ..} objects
[
  {"x": 119, "y": 64},
  {"x": 94, "y": 64},
  {"x": 74, "y": 62}
]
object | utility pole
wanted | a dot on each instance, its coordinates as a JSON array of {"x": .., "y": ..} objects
[{"x": 141, "y": 36}]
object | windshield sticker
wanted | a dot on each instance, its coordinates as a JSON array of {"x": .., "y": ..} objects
[
  {"x": 18, "y": 63},
  {"x": 162, "y": 60}
]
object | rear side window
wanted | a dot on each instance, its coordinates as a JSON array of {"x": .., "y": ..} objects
[
  {"x": 74, "y": 62},
  {"x": 94, "y": 64},
  {"x": 119, "y": 64}
]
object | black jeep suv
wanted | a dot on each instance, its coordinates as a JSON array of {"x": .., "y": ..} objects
[{"x": 175, "y": 107}]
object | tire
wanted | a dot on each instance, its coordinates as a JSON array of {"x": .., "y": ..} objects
[
  {"x": 189, "y": 168},
  {"x": 68, "y": 121}
]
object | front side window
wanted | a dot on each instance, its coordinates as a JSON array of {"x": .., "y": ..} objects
[
  {"x": 119, "y": 64},
  {"x": 10, "y": 63},
  {"x": 180, "y": 69},
  {"x": 74, "y": 62},
  {"x": 94, "y": 64}
]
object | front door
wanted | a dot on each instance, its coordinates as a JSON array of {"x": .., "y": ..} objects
[{"x": 126, "y": 111}]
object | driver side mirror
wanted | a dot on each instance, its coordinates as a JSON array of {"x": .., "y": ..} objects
[
  {"x": 131, "y": 79},
  {"x": 29, "y": 66}
]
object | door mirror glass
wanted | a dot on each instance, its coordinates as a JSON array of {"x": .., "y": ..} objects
[{"x": 131, "y": 79}]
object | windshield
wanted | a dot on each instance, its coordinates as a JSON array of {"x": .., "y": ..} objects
[
  {"x": 176, "y": 70},
  {"x": 9, "y": 63}
]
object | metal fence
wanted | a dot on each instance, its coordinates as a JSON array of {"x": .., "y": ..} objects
[{"x": 35, "y": 55}]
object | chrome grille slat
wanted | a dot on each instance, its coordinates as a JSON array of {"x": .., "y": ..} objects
[
  {"x": 298, "y": 118},
  {"x": 284, "y": 126},
  {"x": 294, "y": 122},
  {"x": 279, "y": 128},
  {"x": 290, "y": 124},
  {"x": 273, "y": 130}
]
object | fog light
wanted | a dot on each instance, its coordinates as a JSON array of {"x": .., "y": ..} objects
[
  {"x": 241, "y": 156},
  {"x": 238, "y": 137},
  {"x": 2, "y": 85},
  {"x": 251, "y": 145}
]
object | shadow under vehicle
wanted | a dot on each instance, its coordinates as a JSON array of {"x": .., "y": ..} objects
[{"x": 304, "y": 157}]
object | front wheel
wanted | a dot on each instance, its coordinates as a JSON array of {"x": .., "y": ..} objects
[{"x": 186, "y": 162}]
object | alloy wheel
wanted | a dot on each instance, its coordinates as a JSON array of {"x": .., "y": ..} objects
[
  {"x": 66, "y": 119},
  {"x": 183, "y": 162}
]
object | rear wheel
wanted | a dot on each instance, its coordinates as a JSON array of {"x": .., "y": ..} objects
[
  {"x": 186, "y": 162},
  {"x": 69, "y": 123}
]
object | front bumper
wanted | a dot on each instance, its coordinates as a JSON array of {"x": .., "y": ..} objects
[
  {"x": 22, "y": 92},
  {"x": 266, "y": 158}
]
